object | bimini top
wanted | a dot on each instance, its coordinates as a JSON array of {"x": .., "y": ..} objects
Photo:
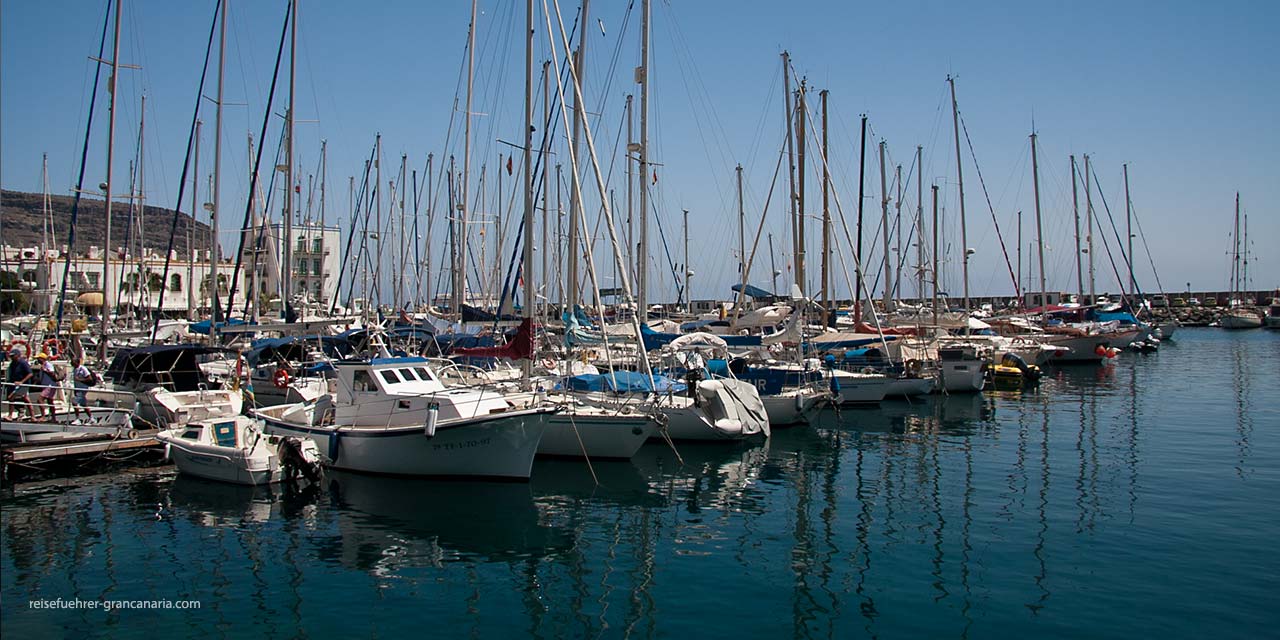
[{"x": 175, "y": 366}]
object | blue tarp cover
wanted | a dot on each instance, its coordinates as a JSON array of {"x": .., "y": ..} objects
[{"x": 624, "y": 382}]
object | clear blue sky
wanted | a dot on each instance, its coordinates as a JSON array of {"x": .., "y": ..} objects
[{"x": 1184, "y": 92}]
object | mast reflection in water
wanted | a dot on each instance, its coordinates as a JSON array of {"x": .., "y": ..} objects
[{"x": 1137, "y": 498}]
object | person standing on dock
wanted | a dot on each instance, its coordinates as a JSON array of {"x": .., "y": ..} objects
[
  {"x": 47, "y": 381},
  {"x": 81, "y": 379},
  {"x": 19, "y": 375}
]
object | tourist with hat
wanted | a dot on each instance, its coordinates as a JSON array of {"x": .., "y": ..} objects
[
  {"x": 19, "y": 375},
  {"x": 47, "y": 381}
]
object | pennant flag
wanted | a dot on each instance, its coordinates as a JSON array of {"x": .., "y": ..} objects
[
  {"x": 508, "y": 165},
  {"x": 655, "y": 176}
]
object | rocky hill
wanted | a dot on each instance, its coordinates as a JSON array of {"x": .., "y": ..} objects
[{"x": 22, "y": 214}]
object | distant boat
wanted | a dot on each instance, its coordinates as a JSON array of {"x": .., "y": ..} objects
[
  {"x": 1237, "y": 315},
  {"x": 1273, "y": 314}
]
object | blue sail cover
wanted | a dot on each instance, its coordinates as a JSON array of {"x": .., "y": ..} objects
[
  {"x": 203, "y": 326},
  {"x": 1123, "y": 317},
  {"x": 624, "y": 382}
]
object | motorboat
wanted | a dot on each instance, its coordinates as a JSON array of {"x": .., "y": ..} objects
[
  {"x": 169, "y": 384},
  {"x": 234, "y": 449},
  {"x": 393, "y": 415}
]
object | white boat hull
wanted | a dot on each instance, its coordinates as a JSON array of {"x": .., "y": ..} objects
[
  {"x": 962, "y": 376},
  {"x": 500, "y": 446},
  {"x": 599, "y": 436},
  {"x": 104, "y": 421},
  {"x": 793, "y": 406},
  {"x": 1240, "y": 320},
  {"x": 1079, "y": 348},
  {"x": 855, "y": 388},
  {"x": 910, "y": 387},
  {"x": 216, "y": 463}
]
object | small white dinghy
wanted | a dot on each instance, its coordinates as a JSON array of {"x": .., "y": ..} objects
[{"x": 234, "y": 449}]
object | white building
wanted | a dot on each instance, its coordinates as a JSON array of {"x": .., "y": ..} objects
[
  {"x": 133, "y": 282},
  {"x": 316, "y": 255}
]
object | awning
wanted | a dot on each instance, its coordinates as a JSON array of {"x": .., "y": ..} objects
[{"x": 90, "y": 299}]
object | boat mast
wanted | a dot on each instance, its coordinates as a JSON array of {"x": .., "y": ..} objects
[
  {"x": 920, "y": 223},
  {"x": 642, "y": 77},
  {"x": 527, "y": 308},
  {"x": 571, "y": 279},
  {"x": 802, "y": 142},
  {"x": 464, "y": 204},
  {"x": 1128, "y": 227},
  {"x": 286, "y": 269},
  {"x": 1035, "y": 182},
  {"x": 111, "y": 142},
  {"x": 631, "y": 146},
  {"x": 884, "y": 227},
  {"x": 217, "y": 171},
  {"x": 1018, "y": 280},
  {"x": 964, "y": 236},
  {"x": 791, "y": 162},
  {"x": 1088, "y": 214},
  {"x": 688, "y": 273},
  {"x": 857, "y": 263},
  {"x": 897, "y": 230},
  {"x": 1235, "y": 256},
  {"x": 742, "y": 242},
  {"x": 546, "y": 186},
  {"x": 773, "y": 266},
  {"x": 1075, "y": 209},
  {"x": 191, "y": 226},
  {"x": 935, "y": 255},
  {"x": 826, "y": 215}
]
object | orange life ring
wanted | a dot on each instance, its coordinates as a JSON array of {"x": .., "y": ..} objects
[
  {"x": 15, "y": 343},
  {"x": 280, "y": 378}
]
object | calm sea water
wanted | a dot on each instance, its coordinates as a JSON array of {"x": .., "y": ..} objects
[{"x": 1138, "y": 499}]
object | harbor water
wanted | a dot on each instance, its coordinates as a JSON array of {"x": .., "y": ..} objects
[{"x": 1136, "y": 499}]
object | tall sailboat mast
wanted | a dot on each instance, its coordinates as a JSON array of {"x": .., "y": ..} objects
[
  {"x": 1128, "y": 228},
  {"x": 191, "y": 226},
  {"x": 1075, "y": 209},
  {"x": 642, "y": 77},
  {"x": 286, "y": 269},
  {"x": 464, "y": 204},
  {"x": 826, "y": 215},
  {"x": 570, "y": 300},
  {"x": 964, "y": 234},
  {"x": 1088, "y": 214},
  {"x": 920, "y": 223},
  {"x": 884, "y": 227},
  {"x": 794, "y": 216},
  {"x": 111, "y": 142},
  {"x": 1035, "y": 182},
  {"x": 527, "y": 306},
  {"x": 217, "y": 171}
]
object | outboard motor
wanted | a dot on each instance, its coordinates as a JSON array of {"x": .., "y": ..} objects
[
  {"x": 1030, "y": 372},
  {"x": 691, "y": 379}
]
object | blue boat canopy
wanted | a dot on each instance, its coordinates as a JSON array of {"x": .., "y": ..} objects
[{"x": 752, "y": 291}]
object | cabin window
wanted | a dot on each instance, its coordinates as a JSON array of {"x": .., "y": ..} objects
[
  {"x": 389, "y": 376},
  {"x": 362, "y": 381},
  {"x": 406, "y": 374},
  {"x": 422, "y": 374},
  {"x": 191, "y": 434}
]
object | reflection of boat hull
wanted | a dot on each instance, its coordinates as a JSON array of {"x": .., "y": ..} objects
[
  {"x": 496, "y": 446},
  {"x": 417, "y": 518},
  {"x": 613, "y": 436}
]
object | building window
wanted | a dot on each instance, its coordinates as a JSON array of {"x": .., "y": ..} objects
[
  {"x": 302, "y": 245},
  {"x": 155, "y": 281},
  {"x": 94, "y": 277},
  {"x": 175, "y": 282},
  {"x": 317, "y": 245},
  {"x": 319, "y": 290},
  {"x": 315, "y": 266},
  {"x": 302, "y": 266}
]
